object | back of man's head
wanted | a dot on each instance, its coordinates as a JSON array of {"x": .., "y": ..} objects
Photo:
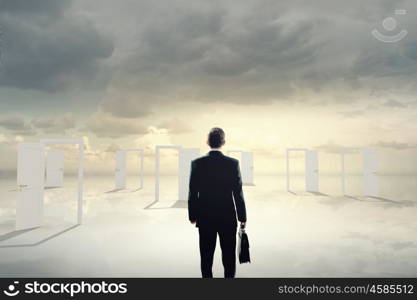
[{"x": 216, "y": 138}]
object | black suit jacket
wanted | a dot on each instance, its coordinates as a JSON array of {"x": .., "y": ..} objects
[{"x": 215, "y": 191}]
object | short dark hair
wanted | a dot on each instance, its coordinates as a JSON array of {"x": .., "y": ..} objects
[{"x": 216, "y": 137}]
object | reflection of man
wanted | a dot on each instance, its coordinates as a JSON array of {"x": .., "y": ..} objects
[{"x": 215, "y": 191}]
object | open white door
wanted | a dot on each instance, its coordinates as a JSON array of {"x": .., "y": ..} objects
[
  {"x": 30, "y": 181},
  {"x": 120, "y": 176},
  {"x": 80, "y": 144},
  {"x": 369, "y": 164},
  {"x": 158, "y": 167},
  {"x": 55, "y": 169},
  {"x": 186, "y": 155},
  {"x": 121, "y": 168},
  {"x": 311, "y": 171},
  {"x": 246, "y": 164},
  {"x": 370, "y": 179}
]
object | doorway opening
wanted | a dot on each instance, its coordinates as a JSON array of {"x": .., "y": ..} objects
[
  {"x": 122, "y": 169},
  {"x": 246, "y": 166},
  {"x": 311, "y": 176},
  {"x": 31, "y": 166}
]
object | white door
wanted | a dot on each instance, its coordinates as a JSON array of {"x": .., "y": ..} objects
[
  {"x": 120, "y": 177},
  {"x": 246, "y": 165},
  {"x": 311, "y": 173},
  {"x": 30, "y": 181},
  {"x": 370, "y": 180},
  {"x": 186, "y": 155},
  {"x": 55, "y": 169}
]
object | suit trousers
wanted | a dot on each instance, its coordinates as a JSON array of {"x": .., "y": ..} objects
[{"x": 208, "y": 237}]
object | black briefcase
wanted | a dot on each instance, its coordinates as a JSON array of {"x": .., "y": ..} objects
[{"x": 244, "y": 256}]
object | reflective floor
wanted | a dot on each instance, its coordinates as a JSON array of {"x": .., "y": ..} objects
[{"x": 291, "y": 234}]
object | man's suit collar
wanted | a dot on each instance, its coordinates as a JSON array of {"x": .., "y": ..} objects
[{"x": 215, "y": 153}]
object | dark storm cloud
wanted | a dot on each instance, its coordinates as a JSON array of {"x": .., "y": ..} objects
[
  {"x": 17, "y": 125},
  {"x": 127, "y": 108},
  {"x": 206, "y": 51},
  {"x": 20, "y": 126},
  {"x": 46, "y": 47},
  {"x": 106, "y": 125},
  {"x": 12, "y": 123},
  {"x": 216, "y": 55},
  {"x": 259, "y": 51},
  {"x": 29, "y": 7},
  {"x": 56, "y": 124}
]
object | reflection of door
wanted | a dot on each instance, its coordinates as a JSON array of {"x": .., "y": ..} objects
[
  {"x": 120, "y": 170},
  {"x": 30, "y": 181},
  {"x": 55, "y": 169},
  {"x": 369, "y": 173},
  {"x": 311, "y": 171},
  {"x": 186, "y": 155},
  {"x": 247, "y": 167}
]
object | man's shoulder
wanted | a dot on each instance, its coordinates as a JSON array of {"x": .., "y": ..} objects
[
  {"x": 223, "y": 157},
  {"x": 231, "y": 159},
  {"x": 199, "y": 159}
]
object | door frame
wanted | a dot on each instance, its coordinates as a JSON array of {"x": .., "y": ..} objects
[
  {"x": 305, "y": 150},
  {"x": 241, "y": 155},
  {"x": 184, "y": 177},
  {"x": 349, "y": 150},
  {"x": 141, "y": 156},
  {"x": 46, "y": 167},
  {"x": 80, "y": 194},
  {"x": 158, "y": 149}
]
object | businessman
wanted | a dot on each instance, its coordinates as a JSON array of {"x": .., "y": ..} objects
[{"x": 215, "y": 197}]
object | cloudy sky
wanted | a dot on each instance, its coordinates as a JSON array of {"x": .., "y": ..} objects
[{"x": 273, "y": 74}]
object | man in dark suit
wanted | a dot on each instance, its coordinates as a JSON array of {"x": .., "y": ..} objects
[{"x": 215, "y": 196}]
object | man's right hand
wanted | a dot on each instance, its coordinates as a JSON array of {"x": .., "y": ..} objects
[{"x": 242, "y": 224}]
